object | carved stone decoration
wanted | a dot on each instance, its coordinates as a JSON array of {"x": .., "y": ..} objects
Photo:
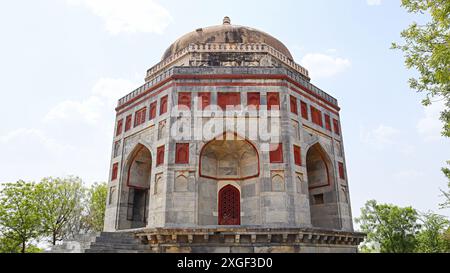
[
  {"x": 344, "y": 194},
  {"x": 158, "y": 188},
  {"x": 181, "y": 181},
  {"x": 277, "y": 178},
  {"x": 112, "y": 199},
  {"x": 162, "y": 130},
  {"x": 299, "y": 180}
]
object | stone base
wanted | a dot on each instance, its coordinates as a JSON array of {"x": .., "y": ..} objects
[
  {"x": 229, "y": 240},
  {"x": 249, "y": 240}
]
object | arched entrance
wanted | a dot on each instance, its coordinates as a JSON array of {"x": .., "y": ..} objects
[
  {"x": 229, "y": 206},
  {"x": 322, "y": 193},
  {"x": 138, "y": 175},
  {"x": 232, "y": 162}
]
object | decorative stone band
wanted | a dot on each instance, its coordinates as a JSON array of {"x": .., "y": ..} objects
[
  {"x": 169, "y": 73},
  {"x": 248, "y": 236},
  {"x": 218, "y": 47}
]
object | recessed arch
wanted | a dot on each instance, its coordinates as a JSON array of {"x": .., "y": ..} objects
[
  {"x": 323, "y": 197},
  {"x": 229, "y": 157},
  {"x": 319, "y": 167},
  {"x": 139, "y": 168},
  {"x": 136, "y": 187}
]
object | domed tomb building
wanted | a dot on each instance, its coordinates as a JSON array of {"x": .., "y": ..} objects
[{"x": 228, "y": 147}]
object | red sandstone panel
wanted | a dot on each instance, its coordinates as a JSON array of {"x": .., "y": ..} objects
[
  {"x": 127, "y": 123},
  {"x": 115, "y": 171},
  {"x": 304, "y": 109},
  {"x": 139, "y": 116},
  {"x": 297, "y": 155},
  {"x": 163, "y": 105},
  {"x": 160, "y": 155},
  {"x": 228, "y": 99},
  {"x": 341, "y": 170},
  {"x": 253, "y": 99},
  {"x": 327, "y": 122},
  {"x": 276, "y": 156},
  {"x": 336, "y": 127},
  {"x": 293, "y": 105},
  {"x": 273, "y": 101},
  {"x": 182, "y": 153},
  {"x": 119, "y": 127},
  {"x": 153, "y": 110},
  {"x": 204, "y": 99},
  {"x": 184, "y": 99},
  {"x": 316, "y": 116}
]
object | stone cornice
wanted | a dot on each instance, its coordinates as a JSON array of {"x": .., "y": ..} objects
[
  {"x": 243, "y": 235},
  {"x": 226, "y": 48}
]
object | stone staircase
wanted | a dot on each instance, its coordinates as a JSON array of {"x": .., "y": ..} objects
[{"x": 117, "y": 242}]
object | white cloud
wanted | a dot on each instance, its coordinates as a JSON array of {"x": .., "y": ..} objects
[
  {"x": 105, "y": 94},
  {"x": 373, "y": 2},
  {"x": 28, "y": 135},
  {"x": 380, "y": 137},
  {"x": 74, "y": 138},
  {"x": 324, "y": 66},
  {"x": 113, "y": 89},
  {"x": 87, "y": 110},
  {"x": 430, "y": 127},
  {"x": 128, "y": 15}
]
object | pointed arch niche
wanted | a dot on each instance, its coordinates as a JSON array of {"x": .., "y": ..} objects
[
  {"x": 229, "y": 157},
  {"x": 135, "y": 192},
  {"x": 322, "y": 192}
]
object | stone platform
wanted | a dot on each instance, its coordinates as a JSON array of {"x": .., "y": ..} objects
[{"x": 227, "y": 240}]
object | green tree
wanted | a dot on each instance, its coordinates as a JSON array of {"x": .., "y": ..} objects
[
  {"x": 431, "y": 238},
  {"x": 389, "y": 228},
  {"x": 19, "y": 218},
  {"x": 9, "y": 245},
  {"x": 427, "y": 49},
  {"x": 96, "y": 206},
  {"x": 60, "y": 201},
  {"x": 446, "y": 194}
]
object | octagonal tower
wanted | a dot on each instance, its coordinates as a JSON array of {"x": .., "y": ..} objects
[{"x": 228, "y": 147}]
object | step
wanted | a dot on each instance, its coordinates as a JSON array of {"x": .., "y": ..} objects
[
  {"x": 117, "y": 240},
  {"x": 119, "y": 246},
  {"x": 117, "y": 235},
  {"x": 110, "y": 251}
]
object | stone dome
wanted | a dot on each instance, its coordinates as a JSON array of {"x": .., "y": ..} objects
[{"x": 226, "y": 33}]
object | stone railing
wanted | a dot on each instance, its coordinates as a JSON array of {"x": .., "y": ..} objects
[
  {"x": 156, "y": 80},
  {"x": 220, "y": 47},
  {"x": 295, "y": 76}
]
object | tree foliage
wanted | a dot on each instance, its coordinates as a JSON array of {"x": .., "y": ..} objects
[
  {"x": 19, "y": 217},
  {"x": 389, "y": 228},
  {"x": 431, "y": 238},
  {"x": 446, "y": 193},
  {"x": 96, "y": 207},
  {"x": 60, "y": 202},
  {"x": 51, "y": 210},
  {"x": 393, "y": 229},
  {"x": 427, "y": 49}
]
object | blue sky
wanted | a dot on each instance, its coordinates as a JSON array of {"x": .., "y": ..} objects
[{"x": 64, "y": 63}]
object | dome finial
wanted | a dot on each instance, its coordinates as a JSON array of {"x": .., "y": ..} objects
[{"x": 226, "y": 20}]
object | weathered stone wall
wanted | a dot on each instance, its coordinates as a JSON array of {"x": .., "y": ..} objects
[{"x": 279, "y": 196}]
